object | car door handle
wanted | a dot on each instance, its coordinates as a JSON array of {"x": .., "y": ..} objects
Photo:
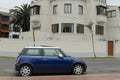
[{"x": 45, "y": 59}]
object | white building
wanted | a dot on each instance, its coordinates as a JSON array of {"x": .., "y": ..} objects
[
  {"x": 113, "y": 29},
  {"x": 65, "y": 19},
  {"x": 63, "y": 22}
]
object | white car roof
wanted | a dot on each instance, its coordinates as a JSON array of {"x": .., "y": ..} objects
[{"x": 42, "y": 47}]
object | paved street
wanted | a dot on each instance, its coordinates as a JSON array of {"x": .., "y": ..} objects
[
  {"x": 68, "y": 77},
  {"x": 98, "y": 69},
  {"x": 95, "y": 66},
  {"x": 103, "y": 66}
]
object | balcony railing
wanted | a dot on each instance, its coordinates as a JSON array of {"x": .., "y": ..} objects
[
  {"x": 4, "y": 21},
  {"x": 101, "y": 19},
  {"x": 4, "y": 29}
]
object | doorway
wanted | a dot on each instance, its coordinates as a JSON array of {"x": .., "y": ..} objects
[{"x": 110, "y": 48}]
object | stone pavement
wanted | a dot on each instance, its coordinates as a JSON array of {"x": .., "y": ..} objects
[{"x": 68, "y": 77}]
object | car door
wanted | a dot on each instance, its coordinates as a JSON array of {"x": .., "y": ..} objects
[{"x": 52, "y": 63}]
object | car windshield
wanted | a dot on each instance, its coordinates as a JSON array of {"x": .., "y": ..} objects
[{"x": 64, "y": 54}]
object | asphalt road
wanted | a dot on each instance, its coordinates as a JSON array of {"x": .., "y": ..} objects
[{"x": 95, "y": 66}]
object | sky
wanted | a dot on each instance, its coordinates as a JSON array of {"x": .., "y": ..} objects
[
  {"x": 5, "y": 5},
  {"x": 113, "y": 2}
]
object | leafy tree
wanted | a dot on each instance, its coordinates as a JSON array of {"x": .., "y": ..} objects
[{"x": 21, "y": 17}]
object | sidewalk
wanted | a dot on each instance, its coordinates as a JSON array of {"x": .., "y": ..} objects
[{"x": 68, "y": 77}]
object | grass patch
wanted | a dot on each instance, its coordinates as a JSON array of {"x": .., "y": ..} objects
[
  {"x": 109, "y": 57},
  {"x": 6, "y": 57}
]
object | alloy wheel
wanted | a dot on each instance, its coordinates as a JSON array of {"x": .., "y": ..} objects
[
  {"x": 78, "y": 69},
  {"x": 25, "y": 70}
]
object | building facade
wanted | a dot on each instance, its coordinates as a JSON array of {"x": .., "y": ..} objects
[
  {"x": 65, "y": 19},
  {"x": 113, "y": 29},
  {"x": 64, "y": 22},
  {"x": 4, "y": 25}
]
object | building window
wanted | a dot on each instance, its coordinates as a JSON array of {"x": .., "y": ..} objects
[
  {"x": 67, "y": 27},
  {"x": 114, "y": 13},
  {"x": 36, "y": 28},
  {"x": 55, "y": 28},
  {"x": 99, "y": 30},
  {"x": 80, "y": 9},
  {"x": 111, "y": 14},
  {"x": 35, "y": 10},
  {"x": 102, "y": 1},
  {"x": 119, "y": 11},
  {"x": 5, "y": 25},
  {"x": 6, "y": 18},
  {"x": 80, "y": 28},
  {"x": 55, "y": 9},
  {"x": 101, "y": 10},
  {"x": 68, "y": 8},
  {"x": 15, "y": 36}
]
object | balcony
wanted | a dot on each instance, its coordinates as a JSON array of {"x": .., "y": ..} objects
[
  {"x": 4, "y": 29},
  {"x": 35, "y": 18},
  {"x": 4, "y": 21},
  {"x": 101, "y": 19}
]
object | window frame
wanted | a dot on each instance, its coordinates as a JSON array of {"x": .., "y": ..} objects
[
  {"x": 35, "y": 10},
  {"x": 110, "y": 12},
  {"x": 79, "y": 26},
  {"x": 67, "y": 27},
  {"x": 68, "y": 8},
  {"x": 119, "y": 10},
  {"x": 55, "y": 9},
  {"x": 80, "y": 7},
  {"x": 114, "y": 15},
  {"x": 5, "y": 17},
  {"x": 99, "y": 30},
  {"x": 55, "y": 28},
  {"x": 101, "y": 10}
]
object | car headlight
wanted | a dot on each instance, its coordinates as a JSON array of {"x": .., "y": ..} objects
[{"x": 17, "y": 60}]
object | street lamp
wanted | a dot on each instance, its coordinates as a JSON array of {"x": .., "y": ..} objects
[
  {"x": 35, "y": 24},
  {"x": 90, "y": 26}
]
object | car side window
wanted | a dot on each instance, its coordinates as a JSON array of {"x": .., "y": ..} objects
[
  {"x": 33, "y": 52},
  {"x": 50, "y": 52}
]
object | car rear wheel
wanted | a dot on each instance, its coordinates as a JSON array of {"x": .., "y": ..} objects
[
  {"x": 78, "y": 69},
  {"x": 25, "y": 70}
]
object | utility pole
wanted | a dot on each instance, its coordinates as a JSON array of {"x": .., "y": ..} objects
[{"x": 35, "y": 24}]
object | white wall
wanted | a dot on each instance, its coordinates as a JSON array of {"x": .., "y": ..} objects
[
  {"x": 117, "y": 49},
  {"x": 11, "y": 47}
]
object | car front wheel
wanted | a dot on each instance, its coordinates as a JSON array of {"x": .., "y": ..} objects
[
  {"x": 25, "y": 70},
  {"x": 78, "y": 69}
]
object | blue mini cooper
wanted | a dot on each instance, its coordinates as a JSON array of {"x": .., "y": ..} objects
[{"x": 46, "y": 59}]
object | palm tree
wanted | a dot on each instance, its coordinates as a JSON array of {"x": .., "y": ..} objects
[{"x": 21, "y": 17}]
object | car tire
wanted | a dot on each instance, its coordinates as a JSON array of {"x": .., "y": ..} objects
[
  {"x": 25, "y": 70},
  {"x": 78, "y": 69}
]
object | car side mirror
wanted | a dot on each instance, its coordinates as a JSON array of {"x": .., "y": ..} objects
[{"x": 60, "y": 56}]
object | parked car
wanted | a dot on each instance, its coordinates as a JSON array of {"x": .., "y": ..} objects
[{"x": 47, "y": 59}]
